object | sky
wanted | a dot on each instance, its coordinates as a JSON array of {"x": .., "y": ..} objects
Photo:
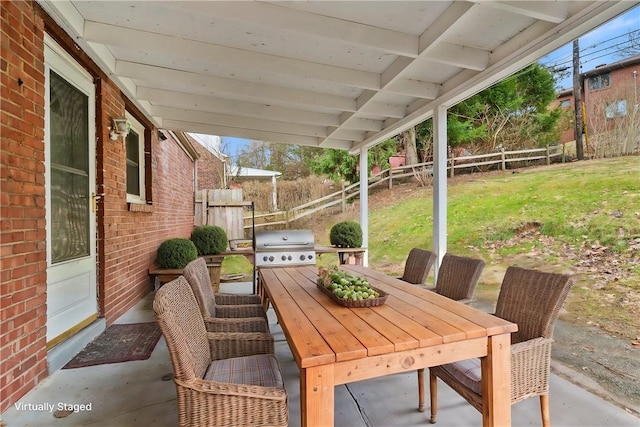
[
  {"x": 599, "y": 46},
  {"x": 232, "y": 146}
]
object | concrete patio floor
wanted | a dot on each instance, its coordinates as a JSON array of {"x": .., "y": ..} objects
[{"x": 134, "y": 394}]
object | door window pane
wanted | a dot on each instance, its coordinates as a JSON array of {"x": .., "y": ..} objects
[{"x": 69, "y": 130}]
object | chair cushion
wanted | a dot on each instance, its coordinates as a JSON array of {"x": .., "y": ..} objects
[
  {"x": 468, "y": 372},
  {"x": 259, "y": 370}
]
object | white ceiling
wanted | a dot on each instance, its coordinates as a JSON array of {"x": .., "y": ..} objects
[{"x": 338, "y": 74}]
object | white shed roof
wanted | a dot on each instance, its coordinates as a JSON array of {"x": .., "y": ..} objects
[{"x": 253, "y": 172}]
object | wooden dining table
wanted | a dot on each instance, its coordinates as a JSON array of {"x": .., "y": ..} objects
[{"x": 415, "y": 328}]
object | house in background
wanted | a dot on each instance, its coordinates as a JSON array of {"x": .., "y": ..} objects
[
  {"x": 612, "y": 115},
  {"x": 212, "y": 165},
  {"x": 610, "y": 107},
  {"x": 84, "y": 208},
  {"x": 567, "y": 122}
]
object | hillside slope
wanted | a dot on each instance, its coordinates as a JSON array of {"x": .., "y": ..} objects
[{"x": 599, "y": 331}]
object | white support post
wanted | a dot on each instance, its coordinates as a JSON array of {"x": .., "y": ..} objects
[
  {"x": 439, "y": 184},
  {"x": 274, "y": 194},
  {"x": 364, "y": 203}
]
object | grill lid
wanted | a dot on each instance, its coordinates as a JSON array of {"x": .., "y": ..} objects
[
  {"x": 279, "y": 248},
  {"x": 284, "y": 240}
]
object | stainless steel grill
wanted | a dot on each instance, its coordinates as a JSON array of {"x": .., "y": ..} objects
[{"x": 279, "y": 248}]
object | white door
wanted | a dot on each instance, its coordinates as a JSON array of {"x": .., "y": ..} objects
[{"x": 70, "y": 183}]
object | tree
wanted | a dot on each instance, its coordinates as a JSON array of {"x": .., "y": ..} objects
[
  {"x": 513, "y": 113},
  {"x": 255, "y": 155},
  {"x": 408, "y": 143},
  {"x": 633, "y": 47},
  {"x": 291, "y": 160},
  {"x": 340, "y": 165}
]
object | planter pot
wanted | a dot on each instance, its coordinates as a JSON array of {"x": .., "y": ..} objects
[
  {"x": 397, "y": 161},
  {"x": 214, "y": 264}
]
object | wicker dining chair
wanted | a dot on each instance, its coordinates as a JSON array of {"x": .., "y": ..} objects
[
  {"x": 225, "y": 299},
  {"x": 418, "y": 265},
  {"x": 222, "y": 318},
  {"x": 247, "y": 390},
  {"x": 532, "y": 299},
  {"x": 457, "y": 279}
]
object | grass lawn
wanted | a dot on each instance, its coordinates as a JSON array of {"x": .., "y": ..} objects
[{"x": 581, "y": 218}]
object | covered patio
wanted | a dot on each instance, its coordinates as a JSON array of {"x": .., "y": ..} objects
[
  {"x": 343, "y": 75},
  {"x": 134, "y": 394}
]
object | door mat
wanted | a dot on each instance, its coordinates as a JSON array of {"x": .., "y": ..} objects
[{"x": 119, "y": 343}]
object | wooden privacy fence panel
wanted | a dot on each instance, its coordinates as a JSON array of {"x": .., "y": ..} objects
[{"x": 224, "y": 208}]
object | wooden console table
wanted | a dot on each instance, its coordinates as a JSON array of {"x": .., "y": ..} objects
[
  {"x": 160, "y": 276},
  {"x": 350, "y": 256}
]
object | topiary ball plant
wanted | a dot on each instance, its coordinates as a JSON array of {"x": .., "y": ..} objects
[
  {"x": 209, "y": 239},
  {"x": 346, "y": 234},
  {"x": 176, "y": 253}
]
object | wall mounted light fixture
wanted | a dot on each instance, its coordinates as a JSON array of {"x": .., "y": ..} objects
[{"x": 121, "y": 127}]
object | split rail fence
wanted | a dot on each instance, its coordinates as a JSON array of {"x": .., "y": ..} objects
[{"x": 220, "y": 207}]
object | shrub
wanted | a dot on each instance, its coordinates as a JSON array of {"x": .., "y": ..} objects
[
  {"x": 346, "y": 234},
  {"x": 209, "y": 239},
  {"x": 176, "y": 253}
]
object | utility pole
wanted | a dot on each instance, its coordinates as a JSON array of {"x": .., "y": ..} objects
[{"x": 577, "y": 100}]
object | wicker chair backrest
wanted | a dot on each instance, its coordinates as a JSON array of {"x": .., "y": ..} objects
[
  {"x": 458, "y": 276},
  {"x": 197, "y": 274},
  {"x": 418, "y": 265},
  {"x": 181, "y": 323},
  {"x": 532, "y": 299}
]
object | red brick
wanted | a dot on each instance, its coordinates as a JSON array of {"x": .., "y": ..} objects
[
  {"x": 12, "y": 109},
  {"x": 38, "y": 301},
  {"x": 11, "y": 311},
  {"x": 13, "y": 237},
  {"x": 25, "y": 317},
  {"x": 123, "y": 277},
  {"x": 23, "y": 295}
]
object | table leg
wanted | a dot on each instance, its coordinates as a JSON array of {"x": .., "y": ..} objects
[
  {"x": 496, "y": 382},
  {"x": 317, "y": 396}
]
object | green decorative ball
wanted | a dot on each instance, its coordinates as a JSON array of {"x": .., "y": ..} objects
[
  {"x": 209, "y": 239},
  {"x": 346, "y": 234},
  {"x": 176, "y": 253}
]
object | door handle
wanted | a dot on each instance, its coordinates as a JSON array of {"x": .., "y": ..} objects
[{"x": 94, "y": 198}]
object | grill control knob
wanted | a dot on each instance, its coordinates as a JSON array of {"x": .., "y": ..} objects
[
  {"x": 271, "y": 258},
  {"x": 310, "y": 256},
  {"x": 289, "y": 258},
  {"x": 284, "y": 257},
  {"x": 265, "y": 258},
  {"x": 302, "y": 257}
]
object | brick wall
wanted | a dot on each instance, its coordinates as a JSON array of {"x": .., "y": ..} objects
[
  {"x": 210, "y": 169},
  {"x": 567, "y": 121},
  {"x": 622, "y": 86},
  {"x": 130, "y": 239},
  {"x": 22, "y": 194},
  {"x": 617, "y": 134},
  {"x": 127, "y": 239}
]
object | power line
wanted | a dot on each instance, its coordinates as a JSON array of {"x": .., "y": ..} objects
[
  {"x": 565, "y": 60},
  {"x": 568, "y": 56},
  {"x": 584, "y": 58}
]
